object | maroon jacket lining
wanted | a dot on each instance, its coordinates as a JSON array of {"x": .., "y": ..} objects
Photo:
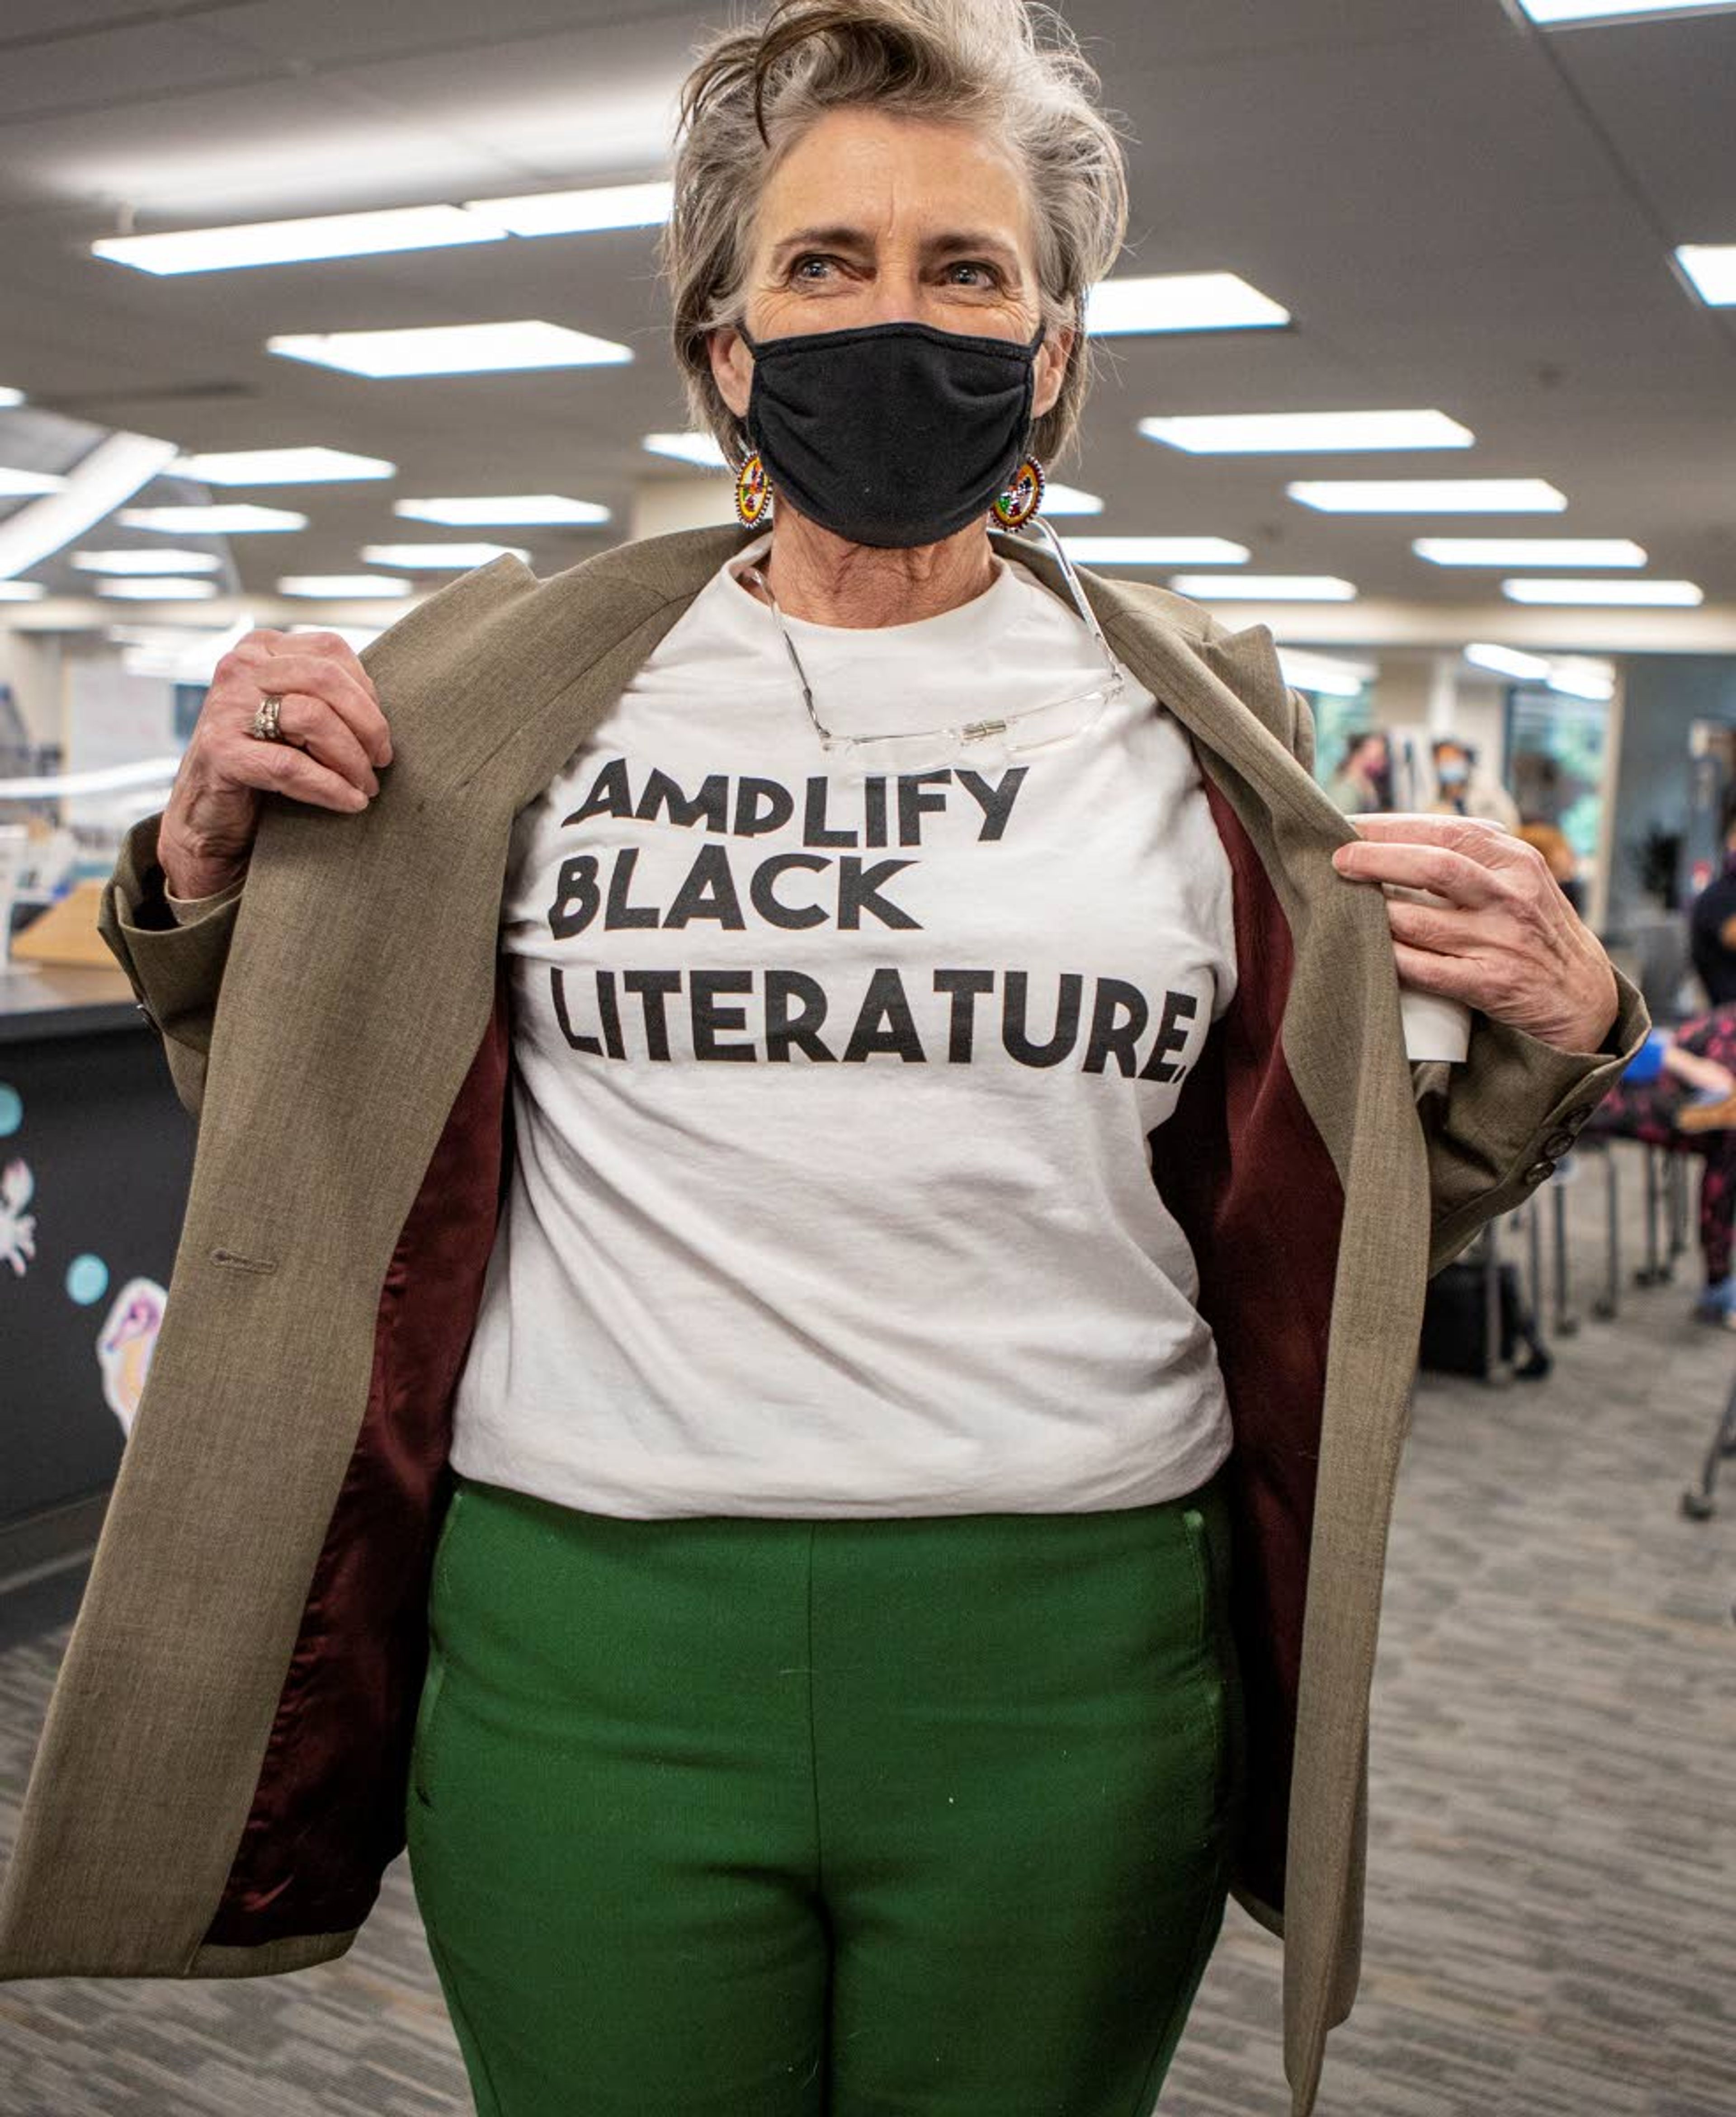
[
  {"x": 327, "y": 1815},
  {"x": 327, "y": 1818}
]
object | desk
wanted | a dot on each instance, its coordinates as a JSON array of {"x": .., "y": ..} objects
[{"x": 95, "y": 1148}]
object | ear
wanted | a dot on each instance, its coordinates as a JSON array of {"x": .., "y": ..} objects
[
  {"x": 732, "y": 367},
  {"x": 1052, "y": 356}
]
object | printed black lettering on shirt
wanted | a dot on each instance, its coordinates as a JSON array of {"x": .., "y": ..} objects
[{"x": 778, "y": 1013}]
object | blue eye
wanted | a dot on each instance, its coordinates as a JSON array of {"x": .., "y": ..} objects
[{"x": 961, "y": 264}]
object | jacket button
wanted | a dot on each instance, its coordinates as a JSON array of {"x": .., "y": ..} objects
[
  {"x": 1538, "y": 1170},
  {"x": 1559, "y": 1142}
]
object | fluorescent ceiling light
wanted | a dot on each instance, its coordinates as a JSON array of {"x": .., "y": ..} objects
[
  {"x": 1712, "y": 268},
  {"x": 165, "y": 590},
  {"x": 1456, "y": 496},
  {"x": 1288, "y": 433},
  {"x": 1323, "y": 673},
  {"x": 280, "y": 467},
  {"x": 185, "y": 650},
  {"x": 452, "y": 349},
  {"x": 400, "y": 228},
  {"x": 287, "y": 242},
  {"x": 1264, "y": 588},
  {"x": 154, "y": 632},
  {"x": 1577, "y": 677},
  {"x": 339, "y": 585},
  {"x": 571, "y": 213},
  {"x": 1528, "y": 551},
  {"x": 439, "y": 558},
  {"x": 1180, "y": 301},
  {"x": 145, "y": 562},
  {"x": 481, "y": 509},
  {"x": 1547, "y": 11},
  {"x": 15, "y": 483},
  {"x": 1675, "y": 594},
  {"x": 112, "y": 471},
  {"x": 694, "y": 448},
  {"x": 10, "y": 397},
  {"x": 1506, "y": 661},
  {"x": 232, "y": 518},
  {"x": 1155, "y": 550},
  {"x": 21, "y": 591}
]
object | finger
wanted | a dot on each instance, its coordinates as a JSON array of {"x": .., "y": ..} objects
[
  {"x": 334, "y": 644},
  {"x": 1438, "y": 929},
  {"x": 321, "y": 678},
  {"x": 1451, "y": 977},
  {"x": 305, "y": 721},
  {"x": 302, "y": 777},
  {"x": 1456, "y": 875},
  {"x": 252, "y": 645},
  {"x": 1424, "y": 823}
]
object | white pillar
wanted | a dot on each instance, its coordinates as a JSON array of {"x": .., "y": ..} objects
[{"x": 662, "y": 505}]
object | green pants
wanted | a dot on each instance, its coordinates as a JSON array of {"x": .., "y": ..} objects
[{"x": 734, "y": 1816}]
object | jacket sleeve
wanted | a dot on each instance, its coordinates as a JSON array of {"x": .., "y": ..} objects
[
  {"x": 1497, "y": 1124},
  {"x": 175, "y": 969}
]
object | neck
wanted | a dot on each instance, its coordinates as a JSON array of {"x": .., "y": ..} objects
[{"x": 827, "y": 580}]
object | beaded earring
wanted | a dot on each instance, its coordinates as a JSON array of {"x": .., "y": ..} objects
[
  {"x": 753, "y": 493},
  {"x": 1015, "y": 506}
]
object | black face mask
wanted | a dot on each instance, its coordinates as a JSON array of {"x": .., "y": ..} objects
[{"x": 891, "y": 434}]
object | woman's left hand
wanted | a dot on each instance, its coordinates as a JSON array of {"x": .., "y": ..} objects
[{"x": 1507, "y": 941}]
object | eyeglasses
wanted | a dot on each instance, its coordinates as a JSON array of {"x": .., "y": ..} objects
[{"x": 990, "y": 741}]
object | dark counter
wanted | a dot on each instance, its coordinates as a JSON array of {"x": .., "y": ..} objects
[
  {"x": 95, "y": 1157},
  {"x": 64, "y": 999}
]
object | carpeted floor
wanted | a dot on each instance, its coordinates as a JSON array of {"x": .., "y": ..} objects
[{"x": 1552, "y": 1900}]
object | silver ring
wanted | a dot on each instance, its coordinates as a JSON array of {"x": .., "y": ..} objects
[{"x": 263, "y": 724}]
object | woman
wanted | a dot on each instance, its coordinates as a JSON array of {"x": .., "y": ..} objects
[
  {"x": 963, "y": 1217},
  {"x": 1363, "y": 783},
  {"x": 1680, "y": 1092}
]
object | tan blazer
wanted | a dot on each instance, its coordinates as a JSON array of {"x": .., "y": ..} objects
[{"x": 220, "y": 1782}]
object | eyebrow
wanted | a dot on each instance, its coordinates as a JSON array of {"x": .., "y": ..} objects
[{"x": 843, "y": 237}]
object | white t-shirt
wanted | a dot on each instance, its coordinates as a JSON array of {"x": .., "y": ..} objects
[{"x": 832, "y": 1192}]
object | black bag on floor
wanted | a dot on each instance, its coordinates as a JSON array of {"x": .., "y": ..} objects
[{"x": 1455, "y": 1328}]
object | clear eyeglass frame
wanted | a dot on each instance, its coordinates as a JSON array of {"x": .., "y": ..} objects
[{"x": 989, "y": 741}]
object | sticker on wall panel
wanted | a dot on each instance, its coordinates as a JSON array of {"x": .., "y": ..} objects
[
  {"x": 17, "y": 1228},
  {"x": 127, "y": 1340}
]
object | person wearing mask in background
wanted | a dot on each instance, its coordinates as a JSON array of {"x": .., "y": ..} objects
[
  {"x": 1466, "y": 791},
  {"x": 1363, "y": 783},
  {"x": 1712, "y": 926}
]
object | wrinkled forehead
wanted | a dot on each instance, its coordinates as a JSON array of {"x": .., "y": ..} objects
[{"x": 866, "y": 181}]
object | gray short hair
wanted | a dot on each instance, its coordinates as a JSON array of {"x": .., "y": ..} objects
[{"x": 754, "y": 90}]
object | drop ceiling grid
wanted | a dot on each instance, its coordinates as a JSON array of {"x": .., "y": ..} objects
[{"x": 1414, "y": 182}]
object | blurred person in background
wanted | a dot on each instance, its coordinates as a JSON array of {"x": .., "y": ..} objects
[
  {"x": 1466, "y": 789},
  {"x": 1712, "y": 926},
  {"x": 1679, "y": 1092},
  {"x": 1551, "y": 841},
  {"x": 1363, "y": 783}
]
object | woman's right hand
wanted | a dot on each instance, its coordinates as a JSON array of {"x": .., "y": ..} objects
[{"x": 334, "y": 735}]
